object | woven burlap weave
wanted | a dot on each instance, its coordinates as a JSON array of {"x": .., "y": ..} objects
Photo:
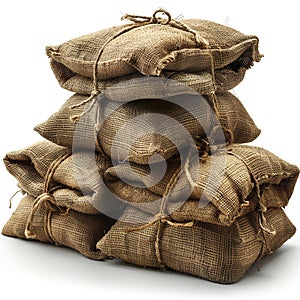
[
  {"x": 30, "y": 166},
  {"x": 217, "y": 253},
  {"x": 244, "y": 178},
  {"x": 137, "y": 86},
  {"x": 64, "y": 228},
  {"x": 151, "y": 45},
  {"x": 133, "y": 144}
]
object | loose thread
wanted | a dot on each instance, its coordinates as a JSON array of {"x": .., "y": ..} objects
[{"x": 13, "y": 196}]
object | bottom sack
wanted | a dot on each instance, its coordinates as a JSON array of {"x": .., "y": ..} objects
[
  {"x": 51, "y": 224},
  {"x": 217, "y": 253}
]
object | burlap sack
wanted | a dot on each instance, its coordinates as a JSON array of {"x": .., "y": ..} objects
[
  {"x": 217, "y": 253},
  {"x": 74, "y": 181},
  {"x": 131, "y": 132},
  {"x": 137, "y": 86},
  {"x": 168, "y": 84},
  {"x": 53, "y": 224},
  {"x": 151, "y": 45},
  {"x": 225, "y": 186}
]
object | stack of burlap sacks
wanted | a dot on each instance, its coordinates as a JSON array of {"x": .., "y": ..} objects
[{"x": 74, "y": 194}]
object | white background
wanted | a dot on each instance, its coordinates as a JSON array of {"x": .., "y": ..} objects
[{"x": 30, "y": 93}]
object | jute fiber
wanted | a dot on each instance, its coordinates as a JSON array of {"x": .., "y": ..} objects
[
  {"x": 217, "y": 253},
  {"x": 135, "y": 118},
  {"x": 150, "y": 45},
  {"x": 137, "y": 86},
  {"x": 73, "y": 180},
  {"x": 58, "y": 225},
  {"x": 226, "y": 185}
]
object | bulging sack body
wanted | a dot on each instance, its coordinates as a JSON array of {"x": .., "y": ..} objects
[
  {"x": 137, "y": 86},
  {"x": 137, "y": 130},
  {"x": 225, "y": 186},
  {"x": 217, "y": 253},
  {"x": 56, "y": 225},
  {"x": 152, "y": 46},
  {"x": 73, "y": 180}
]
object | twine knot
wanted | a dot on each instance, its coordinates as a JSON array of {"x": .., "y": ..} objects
[
  {"x": 155, "y": 19},
  {"x": 44, "y": 199},
  {"x": 264, "y": 226},
  {"x": 161, "y": 217},
  {"x": 163, "y": 17},
  {"x": 47, "y": 200},
  {"x": 159, "y": 20}
]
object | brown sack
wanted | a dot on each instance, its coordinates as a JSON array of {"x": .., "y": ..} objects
[
  {"x": 151, "y": 45},
  {"x": 52, "y": 224},
  {"x": 72, "y": 179},
  {"x": 133, "y": 144},
  {"x": 137, "y": 86},
  {"x": 225, "y": 186},
  {"x": 216, "y": 253}
]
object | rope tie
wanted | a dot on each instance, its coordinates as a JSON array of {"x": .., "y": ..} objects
[
  {"x": 47, "y": 200},
  {"x": 162, "y": 218},
  {"x": 52, "y": 168},
  {"x": 230, "y": 136},
  {"x": 138, "y": 21},
  {"x": 96, "y": 100},
  {"x": 151, "y": 20},
  {"x": 155, "y": 19},
  {"x": 92, "y": 98},
  {"x": 264, "y": 227},
  {"x": 13, "y": 196},
  {"x": 49, "y": 203}
]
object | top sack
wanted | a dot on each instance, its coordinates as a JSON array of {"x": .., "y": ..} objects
[{"x": 151, "y": 45}]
